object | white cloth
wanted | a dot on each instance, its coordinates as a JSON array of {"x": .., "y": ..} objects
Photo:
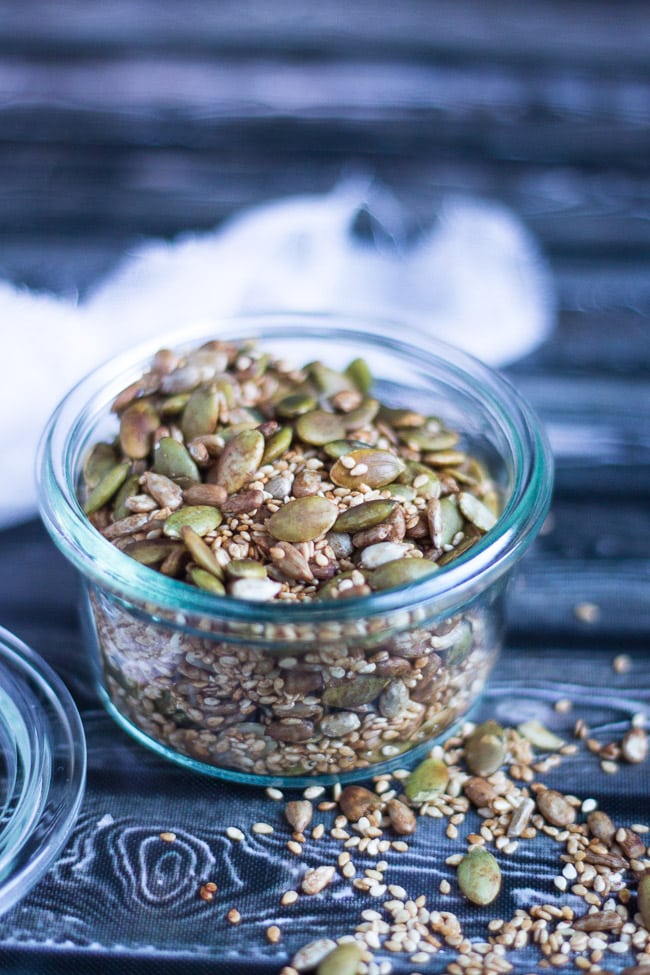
[{"x": 475, "y": 279}]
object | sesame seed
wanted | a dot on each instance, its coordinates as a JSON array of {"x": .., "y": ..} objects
[
  {"x": 167, "y": 837},
  {"x": 289, "y": 897},
  {"x": 264, "y": 829},
  {"x": 234, "y": 833}
]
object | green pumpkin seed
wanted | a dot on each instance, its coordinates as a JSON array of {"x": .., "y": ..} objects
[
  {"x": 451, "y": 520},
  {"x": 344, "y": 960},
  {"x": 446, "y": 458},
  {"x": 400, "y": 418},
  {"x": 137, "y": 424},
  {"x": 375, "y": 468},
  {"x": 100, "y": 460},
  {"x": 364, "y": 515},
  {"x": 400, "y": 572},
  {"x": 109, "y": 484},
  {"x": 276, "y": 445},
  {"x": 151, "y": 552},
  {"x": 303, "y": 519},
  {"x": 245, "y": 569},
  {"x": 202, "y": 518},
  {"x": 129, "y": 488},
  {"x": 425, "y": 439},
  {"x": 319, "y": 427},
  {"x": 337, "y": 448},
  {"x": 403, "y": 492},
  {"x": 174, "y": 405},
  {"x": 476, "y": 512},
  {"x": 200, "y": 552},
  {"x": 327, "y": 380},
  {"x": 364, "y": 414},
  {"x": 295, "y": 404},
  {"x": 427, "y": 780},
  {"x": 353, "y": 694},
  {"x": 358, "y": 372},
  {"x": 239, "y": 460},
  {"x": 206, "y": 580},
  {"x": 485, "y": 750},
  {"x": 539, "y": 736},
  {"x": 172, "y": 459},
  {"x": 479, "y": 877},
  {"x": 470, "y": 536},
  {"x": 201, "y": 414}
]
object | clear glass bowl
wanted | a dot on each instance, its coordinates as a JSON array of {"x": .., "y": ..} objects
[
  {"x": 198, "y": 677},
  {"x": 42, "y": 768}
]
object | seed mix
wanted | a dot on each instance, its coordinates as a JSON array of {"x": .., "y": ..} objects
[{"x": 243, "y": 476}]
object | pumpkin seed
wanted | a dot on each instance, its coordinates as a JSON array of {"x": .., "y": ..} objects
[
  {"x": 276, "y": 445},
  {"x": 151, "y": 552},
  {"x": 328, "y": 380},
  {"x": 399, "y": 418},
  {"x": 320, "y": 427},
  {"x": 295, "y": 404},
  {"x": 245, "y": 569},
  {"x": 539, "y": 736},
  {"x": 402, "y": 492},
  {"x": 239, "y": 460},
  {"x": 202, "y": 518},
  {"x": 400, "y": 572},
  {"x": 358, "y": 372},
  {"x": 174, "y": 405},
  {"x": 200, "y": 552},
  {"x": 370, "y": 466},
  {"x": 303, "y": 519},
  {"x": 99, "y": 461},
  {"x": 128, "y": 489},
  {"x": 362, "y": 415},
  {"x": 429, "y": 440},
  {"x": 451, "y": 521},
  {"x": 364, "y": 515},
  {"x": 344, "y": 960},
  {"x": 201, "y": 414},
  {"x": 427, "y": 780},
  {"x": 479, "y": 876},
  {"x": 476, "y": 512},
  {"x": 206, "y": 580},
  {"x": 485, "y": 749},
  {"x": 111, "y": 481},
  {"x": 337, "y": 448},
  {"x": 172, "y": 459},
  {"x": 137, "y": 424},
  {"x": 355, "y": 693}
]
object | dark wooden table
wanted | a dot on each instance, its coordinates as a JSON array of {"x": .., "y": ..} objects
[{"x": 125, "y": 121}]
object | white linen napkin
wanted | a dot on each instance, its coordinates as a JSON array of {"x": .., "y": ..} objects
[{"x": 476, "y": 279}]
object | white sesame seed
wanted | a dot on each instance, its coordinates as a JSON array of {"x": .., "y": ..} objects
[
  {"x": 274, "y": 794},
  {"x": 233, "y": 833}
]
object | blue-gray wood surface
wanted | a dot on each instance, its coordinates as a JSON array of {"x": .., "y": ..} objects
[{"x": 124, "y": 120}]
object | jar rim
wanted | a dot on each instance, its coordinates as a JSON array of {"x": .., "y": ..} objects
[{"x": 103, "y": 564}]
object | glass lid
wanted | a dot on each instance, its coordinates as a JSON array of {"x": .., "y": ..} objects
[{"x": 42, "y": 767}]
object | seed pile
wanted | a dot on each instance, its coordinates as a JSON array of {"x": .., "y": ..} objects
[
  {"x": 601, "y": 864},
  {"x": 245, "y": 477}
]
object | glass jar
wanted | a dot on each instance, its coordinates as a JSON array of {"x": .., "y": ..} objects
[{"x": 357, "y": 684}]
